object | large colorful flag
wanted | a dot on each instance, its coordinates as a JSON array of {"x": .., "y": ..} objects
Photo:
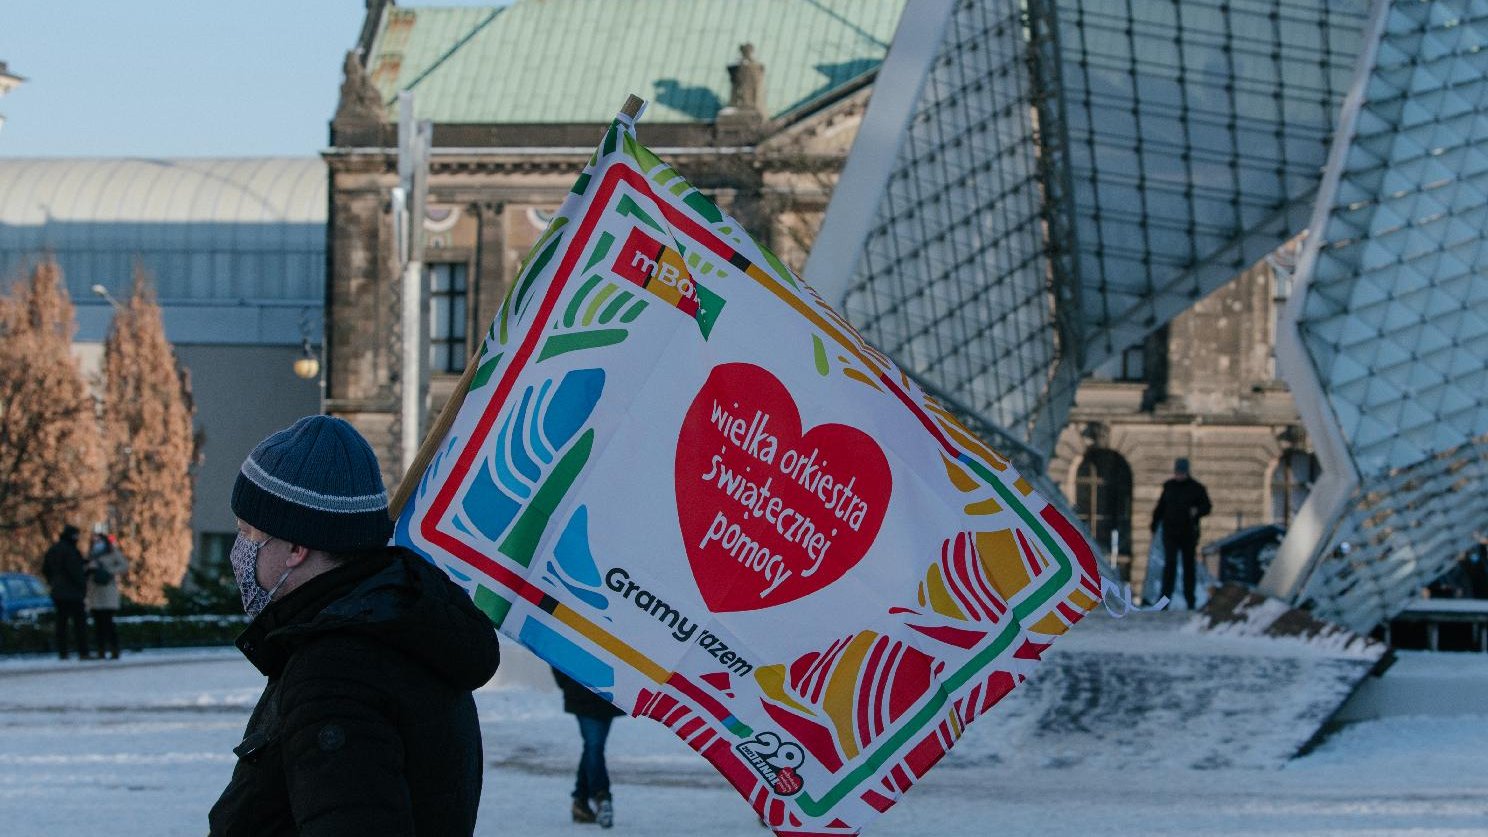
[{"x": 681, "y": 477}]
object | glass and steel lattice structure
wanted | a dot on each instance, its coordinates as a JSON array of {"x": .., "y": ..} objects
[
  {"x": 1388, "y": 347},
  {"x": 964, "y": 199},
  {"x": 1039, "y": 185}
]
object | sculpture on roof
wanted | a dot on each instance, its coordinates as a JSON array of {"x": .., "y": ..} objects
[
  {"x": 747, "y": 82},
  {"x": 360, "y": 103}
]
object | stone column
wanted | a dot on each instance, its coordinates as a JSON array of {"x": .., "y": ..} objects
[{"x": 489, "y": 285}]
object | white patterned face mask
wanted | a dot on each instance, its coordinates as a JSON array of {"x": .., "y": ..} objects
[{"x": 244, "y": 559}]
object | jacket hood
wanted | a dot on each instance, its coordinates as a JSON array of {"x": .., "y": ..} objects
[{"x": 391, "y": 595}]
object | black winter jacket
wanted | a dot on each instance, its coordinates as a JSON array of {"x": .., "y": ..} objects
[
  {"x": 1179, "y": 508},
  {"x": 65, "y": 571},
  {"x": 367, "y": 725}
]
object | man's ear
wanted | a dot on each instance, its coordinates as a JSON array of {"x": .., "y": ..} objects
[{"x": 297, "y": 555}]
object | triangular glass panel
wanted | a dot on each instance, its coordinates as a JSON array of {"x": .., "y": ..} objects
[
  {"x": 1390, "y": 55},
  {"x": 1351, "y": 391},
  {"x": 1416, "y": 245},
  {"x": 1359, "y": 332},
  {"x": 1376, "y": 255},
  {"x": 1369, "y": 152},
  {"x": 1346, "y": 369},
  {"x": 1402, "y": 178},
  {"x": 1456, "y": 231},
  {"x": 1404, "y": 18},
  {"x": 1350, "y": 191},
  {"x": 1389, "y": 353},
  {"x": 1443, "y": 19},
  {"x": 1452, "y": 105},
  {"x": 1414, "y": 415},
  {"x": 1372, "y": 431},
  {"x": 1388, "y": 108},
  {"x": 1371, "y": 289},
  {"x": 1465, "y": 70},
  {"x": 1323, "y": 330},
  {"x": 1433, "y": 338},
  {"x": 1386, "y": 219},
  {"x": 1386, "y": 83},
  {"x": 1455, "y": 400},
  {"x": 1405, "y": 312},
  {"x": 1406, "y": 147},
  {"x": 1426, "y": 78},
  {"x": 1418, "y": 111},
  {"x": 1434, "y": 172}
]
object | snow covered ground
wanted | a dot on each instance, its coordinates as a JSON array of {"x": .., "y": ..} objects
[{"x": 143, "y": 746}]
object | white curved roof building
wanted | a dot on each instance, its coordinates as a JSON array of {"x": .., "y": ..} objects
[{"x": 214, "y": 234}]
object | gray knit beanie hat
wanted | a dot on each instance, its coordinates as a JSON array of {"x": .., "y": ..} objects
[{"x": 316, "y": 484}]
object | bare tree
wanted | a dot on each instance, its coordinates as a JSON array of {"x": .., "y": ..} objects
[
  {"x": 147, "y": 421},
  {"x": 51, "y": 457}
]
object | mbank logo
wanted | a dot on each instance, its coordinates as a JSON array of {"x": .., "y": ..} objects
[{"x": 662, "y": 270}]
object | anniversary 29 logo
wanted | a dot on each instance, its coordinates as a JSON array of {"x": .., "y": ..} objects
[{"x": 775, "y": 760}]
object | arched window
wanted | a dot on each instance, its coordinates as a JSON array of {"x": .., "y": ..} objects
[
  {"x": 1103, "y": 497},
  {"x": 1291, "y": 481}
]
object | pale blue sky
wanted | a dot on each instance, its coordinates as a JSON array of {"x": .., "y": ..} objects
[{"x": 175, "y": 78}]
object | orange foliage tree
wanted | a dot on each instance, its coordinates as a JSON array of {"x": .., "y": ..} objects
[
  {"x": 51, "y": 458},
  {"x": 147, "y": 426}
]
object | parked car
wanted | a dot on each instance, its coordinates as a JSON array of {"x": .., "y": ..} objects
[{"x": 23, "y": 596}]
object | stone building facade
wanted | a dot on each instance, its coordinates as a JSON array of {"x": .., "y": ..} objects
[
  {"x": 493, "y": 185},
  {"x": 1204, "y": 388}
]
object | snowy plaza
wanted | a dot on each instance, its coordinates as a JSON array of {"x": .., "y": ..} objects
[
  {"x": 827, "y": 390},
  {"x": 144, "y": 746}
]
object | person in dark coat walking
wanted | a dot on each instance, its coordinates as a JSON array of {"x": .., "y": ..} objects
[
  {"x": 594, "y": 715},
  {"x": 1472, "y": 568},
  {"x": 367, "y": 724},
  {"x": 65, "y": 571},
  {"x": 1182, "y": 503}
]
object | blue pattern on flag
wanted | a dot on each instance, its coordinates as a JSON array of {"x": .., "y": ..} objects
[{"x": 568, "y": 657}]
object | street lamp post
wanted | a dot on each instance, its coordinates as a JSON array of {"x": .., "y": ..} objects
[
  {"x": 307, "y": 365},
  {"x": 107, "y": 297}
]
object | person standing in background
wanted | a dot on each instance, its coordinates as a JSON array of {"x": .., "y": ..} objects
[
  {"x": 1470, "y": 575},
  {"x": 594, "y": 715},
  {"x": 105, "y": 564},
  {"x": 1184, "y": 500},
  {"x": 65, "y": 572}
]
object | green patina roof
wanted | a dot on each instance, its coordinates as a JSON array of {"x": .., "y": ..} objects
[{"x": 574, "y": 61}]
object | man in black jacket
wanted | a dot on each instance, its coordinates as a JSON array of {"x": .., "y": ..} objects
[
  {"x": 367, "y": 724},
  {"x": 1182, "y": 503},
  {"x": 65, "y": 571}
]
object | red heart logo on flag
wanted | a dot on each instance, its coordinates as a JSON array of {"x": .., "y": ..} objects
[{"x": 769, "y": 514}]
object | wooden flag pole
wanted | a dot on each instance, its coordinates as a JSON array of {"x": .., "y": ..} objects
[{"x": 440, "y": 429}]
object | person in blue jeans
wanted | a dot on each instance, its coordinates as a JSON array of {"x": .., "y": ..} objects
[{"x": 594, "y": 715}]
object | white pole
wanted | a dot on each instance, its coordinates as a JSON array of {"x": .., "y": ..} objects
[
  {"x": 413, "y": 171},
  {"x": 412, "y": 390}
]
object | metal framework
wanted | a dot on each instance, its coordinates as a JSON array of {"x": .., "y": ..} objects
[
  {"x": 1387, "y": 345},
  {"x": 1044, "y": 184}
]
